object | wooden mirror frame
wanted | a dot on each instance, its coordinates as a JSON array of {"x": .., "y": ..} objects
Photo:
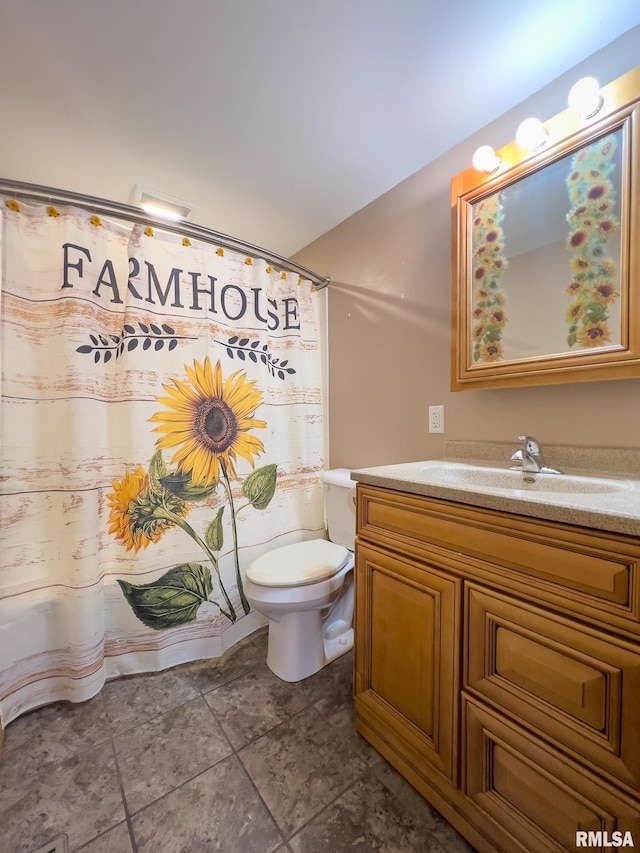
[{"x": 567, "y": 133}]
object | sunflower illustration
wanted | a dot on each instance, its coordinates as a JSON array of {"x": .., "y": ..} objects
[
  {"x": 489, "y": 263},
  {"x": 136, "y": 518},
  {"x": 594, "y": 334},
  {"x": 592, "y": 224},
  {"x": 208, "y": 421},
  {"x": 491, "y": 351}
]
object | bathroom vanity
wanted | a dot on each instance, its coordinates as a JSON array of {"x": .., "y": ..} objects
[{"x": 498, "y": 647}]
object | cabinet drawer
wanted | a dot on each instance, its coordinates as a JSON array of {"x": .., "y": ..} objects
[
  {"x": 599, "y": 569},
  {"x": 407, "y": 680},
  {"x": 576, "y": 685},
  {"x": 528, "y": 796}
]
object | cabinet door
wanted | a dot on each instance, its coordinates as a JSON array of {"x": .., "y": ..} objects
[
  {"x": 407, "y": 657},
  {"x": 524, "y": 794}
]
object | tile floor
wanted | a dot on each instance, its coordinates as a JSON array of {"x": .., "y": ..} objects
[{"x": 210, "y": 756}]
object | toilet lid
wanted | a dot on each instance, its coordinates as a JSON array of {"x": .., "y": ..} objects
[{"x": 301, "y": 563}]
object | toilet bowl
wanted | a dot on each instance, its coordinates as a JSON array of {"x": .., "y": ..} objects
[{"x": 306, "y": 590}]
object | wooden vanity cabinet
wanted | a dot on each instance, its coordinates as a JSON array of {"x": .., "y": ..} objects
[{"x": 497, "y": 667}]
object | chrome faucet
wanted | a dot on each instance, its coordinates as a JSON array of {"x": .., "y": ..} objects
[{"x": 531, "y": 458}]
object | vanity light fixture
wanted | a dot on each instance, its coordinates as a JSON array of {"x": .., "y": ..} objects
[
  {"x": 159, "y": 204},
  {"x": 531, "y": 134},
  {"x": 485, "y": 159},
  {"x": 585, "y": 98}
]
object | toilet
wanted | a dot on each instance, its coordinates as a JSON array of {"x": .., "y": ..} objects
[{"x": 306, "y": 589}]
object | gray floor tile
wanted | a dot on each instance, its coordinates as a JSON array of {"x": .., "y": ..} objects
[
  {"x": 300, "y": 767},
  {"x": 254, "y": 703},
  {"x": 44, "y": 738},
  {"x": 333, "y": 691},
  {"x": 130, "y": 700},
  {"x": 332, "y": 687},
  {"x": 237, "y": 661},
  {"x": 404, "y": 792},
  {"x": 217, "y": 811},
  {"x": 167, "y": 750},
  {"x": 366, "y": 817},
  {"x": 116, "y": 840},
  {"x": 80, "y": 797},
  {"x": 428, "y": 817}
]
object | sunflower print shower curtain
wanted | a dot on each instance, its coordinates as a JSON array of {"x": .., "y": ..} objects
[{"x": 161, "y": 427}]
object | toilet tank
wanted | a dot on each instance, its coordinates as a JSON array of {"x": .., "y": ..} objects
[{"x": 340, "y": 506}]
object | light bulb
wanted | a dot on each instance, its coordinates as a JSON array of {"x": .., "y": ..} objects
[
  {"x": 531, "y": 134},
  {"x": 165, "y": 213},
  {"x": 485, "y": 159},
  {"x": 585, "y": 98}
]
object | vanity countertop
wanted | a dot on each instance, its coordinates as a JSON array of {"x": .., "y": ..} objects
[{"x": 600, "y": 489}]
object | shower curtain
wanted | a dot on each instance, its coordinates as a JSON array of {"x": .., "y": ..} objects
[{"x": 160, "y": 427}]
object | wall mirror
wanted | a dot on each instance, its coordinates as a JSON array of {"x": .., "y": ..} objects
[{"x": 546, "y": 254}]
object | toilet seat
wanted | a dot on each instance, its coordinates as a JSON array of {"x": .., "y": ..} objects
[{"x": 298, "y": 564}]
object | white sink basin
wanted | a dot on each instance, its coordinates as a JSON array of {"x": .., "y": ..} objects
[{"x": 463, "y": 475}]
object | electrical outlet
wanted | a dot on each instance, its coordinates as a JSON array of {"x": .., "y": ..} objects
[{"x": 436, "y": 418}]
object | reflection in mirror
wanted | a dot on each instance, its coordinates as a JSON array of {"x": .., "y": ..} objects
[{"x": 546, "y": 259}]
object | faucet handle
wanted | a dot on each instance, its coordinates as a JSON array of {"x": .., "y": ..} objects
[{"x": 531, "y": 444}]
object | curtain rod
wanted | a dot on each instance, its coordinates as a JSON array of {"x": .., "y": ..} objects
[{"x": 51, "y": 195}]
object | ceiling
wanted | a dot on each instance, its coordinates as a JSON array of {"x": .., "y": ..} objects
[{"x": 276, "y": 118}]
